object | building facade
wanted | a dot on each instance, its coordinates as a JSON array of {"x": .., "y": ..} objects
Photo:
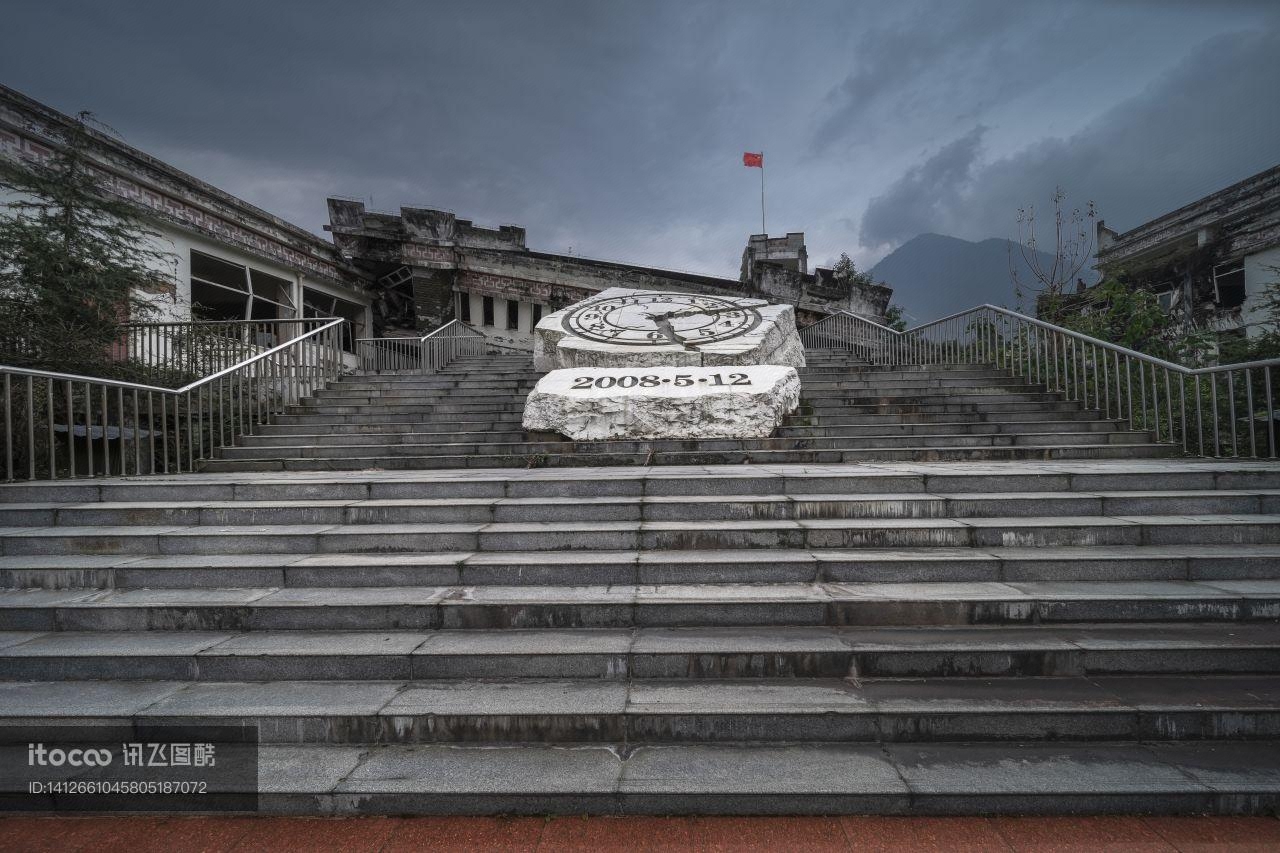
[
  {"x": 225, "y": 258},
  {"x": 402, "y": 274},
  {"x": 432, "y": 267},
  {"x": 1210, "y": 262}
]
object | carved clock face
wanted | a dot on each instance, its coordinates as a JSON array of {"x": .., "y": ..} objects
[{"x": 662, "y": 319}]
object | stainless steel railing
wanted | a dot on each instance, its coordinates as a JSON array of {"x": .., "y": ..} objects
[
  {"x": 59, "y": 425},
  {"x": 427, "y": 354},
  {"x": 204, "y": 346},
  {"x": 1221, "y": 411}
]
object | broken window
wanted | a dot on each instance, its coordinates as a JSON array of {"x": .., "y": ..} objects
[
  {"x": 219, "y": 290},
  {"x": 535, "y": 314},
  {"x": 317, "y": 303},
  {"x": 464, "y": 307},
  {"x": 272, "y": 297},
  {"x": 1228, "y": 284},
  {"x": 513, "y": 315},
  {"x": 222, "y": 290},
  {"x": 488, "y": 311}
]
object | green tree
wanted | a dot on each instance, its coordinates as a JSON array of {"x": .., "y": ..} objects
[
  {"x": 1113, "y": 312},
  {"x": 893, "y": 318},
  {"x": 848, "y": 275},
  {"x": 75, "y": 262}
]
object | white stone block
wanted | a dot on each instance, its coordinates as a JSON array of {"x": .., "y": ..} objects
[
  {"x": 621, "y": 327},
  {"x": 600, "y": 403}
]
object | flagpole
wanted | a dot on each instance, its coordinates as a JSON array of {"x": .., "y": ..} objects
[{"x": 763, "y": 230}]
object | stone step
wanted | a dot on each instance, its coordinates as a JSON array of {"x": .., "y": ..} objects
[
  {"x": 934, "y": 387},
  {"x": 644, "y": 535},
  {"x": 1113, "y": 563},
  {"x": 295, "y": 418},
  {"x": 311, "y": 426},
  {"x": 906, "y": 369},
  {"x": 1186, "y": 475},
  {"x": 975, "y": 415},
  {"x": 855, "y": 382},
  {"x": 818, "y": 405},
  {"x": 522, "y": 382},
  {"x": 1017, "y": 778},
  {"x": 425, "y": 410},
  {"x": 638, "y": 508},
  {"x": 323, "y": 448},
  {"x": 501, "y": 382},
  {"x": 763, "y": 457},
  {"x": 297, "y": 425},
  {"x": 398, "y": 397},
  {"x": 748, "y": 607},
  {"x": 383, "y": 437},
  {"x": 947, "y": 396},
  {"x": 838, "y": 393},
  {"x": 809, "y": 408},
  {"x": 511, "y": 432},
  {"x": 369, "y": 710},
  {"x": 959, "y": 427}
]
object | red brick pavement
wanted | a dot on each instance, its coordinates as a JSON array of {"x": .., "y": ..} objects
[{"x": 606, "y": 834}]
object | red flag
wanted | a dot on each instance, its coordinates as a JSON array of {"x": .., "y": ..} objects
[{"x": 756, "y": 160}]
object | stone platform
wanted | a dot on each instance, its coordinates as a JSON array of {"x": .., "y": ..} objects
[
  {"x": 695, "y": 403},
  {"x": 621, "y": 327}
]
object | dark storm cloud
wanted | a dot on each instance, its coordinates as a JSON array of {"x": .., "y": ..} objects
[
  {"x": 616, "y": 128},
  {"x": 1208, "y": 123},
  {"x": 925, "y": 194},
  {"x": 914, "y": 64}
]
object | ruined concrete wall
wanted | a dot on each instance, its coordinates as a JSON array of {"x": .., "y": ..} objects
[
  {"x": 777, "y": 282},
  {"x": 870, "y": 302},
  {"x": 557, "y": 277},
  {"x": 432, "y": 298},
  {"x": 817, "y": 293},
  {"x": 495, "y": 263},
  {"x": 1247, "y": 212}
]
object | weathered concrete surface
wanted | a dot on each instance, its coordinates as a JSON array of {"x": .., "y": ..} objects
[
  {"x": 668, "y": 408},
  {"x": 772, "y": 339}
]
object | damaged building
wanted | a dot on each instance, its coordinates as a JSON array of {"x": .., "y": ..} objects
[
  {"x": 1210, "y": 262},
  {"x": 225, "y": 259},
  {"x": 401, "y": 274},
  {"x": 431, "y": 267}
]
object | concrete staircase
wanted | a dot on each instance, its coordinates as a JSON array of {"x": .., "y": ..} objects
[
  {"x": 1039, "y": 636},
  {"x": 468, "y": 416},
  {"x": 944, "y": 592}
]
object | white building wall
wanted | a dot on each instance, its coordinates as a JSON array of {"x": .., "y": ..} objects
[
  {"x": 1260, "y": 271},
  {"x": 517, "y": 339}
]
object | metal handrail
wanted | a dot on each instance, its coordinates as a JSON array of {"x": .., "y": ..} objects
[
  {"x": 136, "y": 428},
  {"x": 1171, "y": 365},
  {"x": 1211, "y": 420},
  {"x": 199, "y": 346},
  {"x": 426, "y": 354}
]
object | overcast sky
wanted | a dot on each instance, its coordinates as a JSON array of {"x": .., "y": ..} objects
[{"x": 617, "y": 128}]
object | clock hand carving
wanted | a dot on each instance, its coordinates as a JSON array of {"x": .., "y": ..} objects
[{"x": 664, "y": 326}]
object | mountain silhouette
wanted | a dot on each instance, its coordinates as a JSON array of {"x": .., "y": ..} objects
[{"x": 933, "y": 275}]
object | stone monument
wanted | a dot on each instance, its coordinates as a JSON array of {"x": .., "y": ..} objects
[
  {"x": 647, "y": 328},
  {"x": 645, "y": 364}
]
